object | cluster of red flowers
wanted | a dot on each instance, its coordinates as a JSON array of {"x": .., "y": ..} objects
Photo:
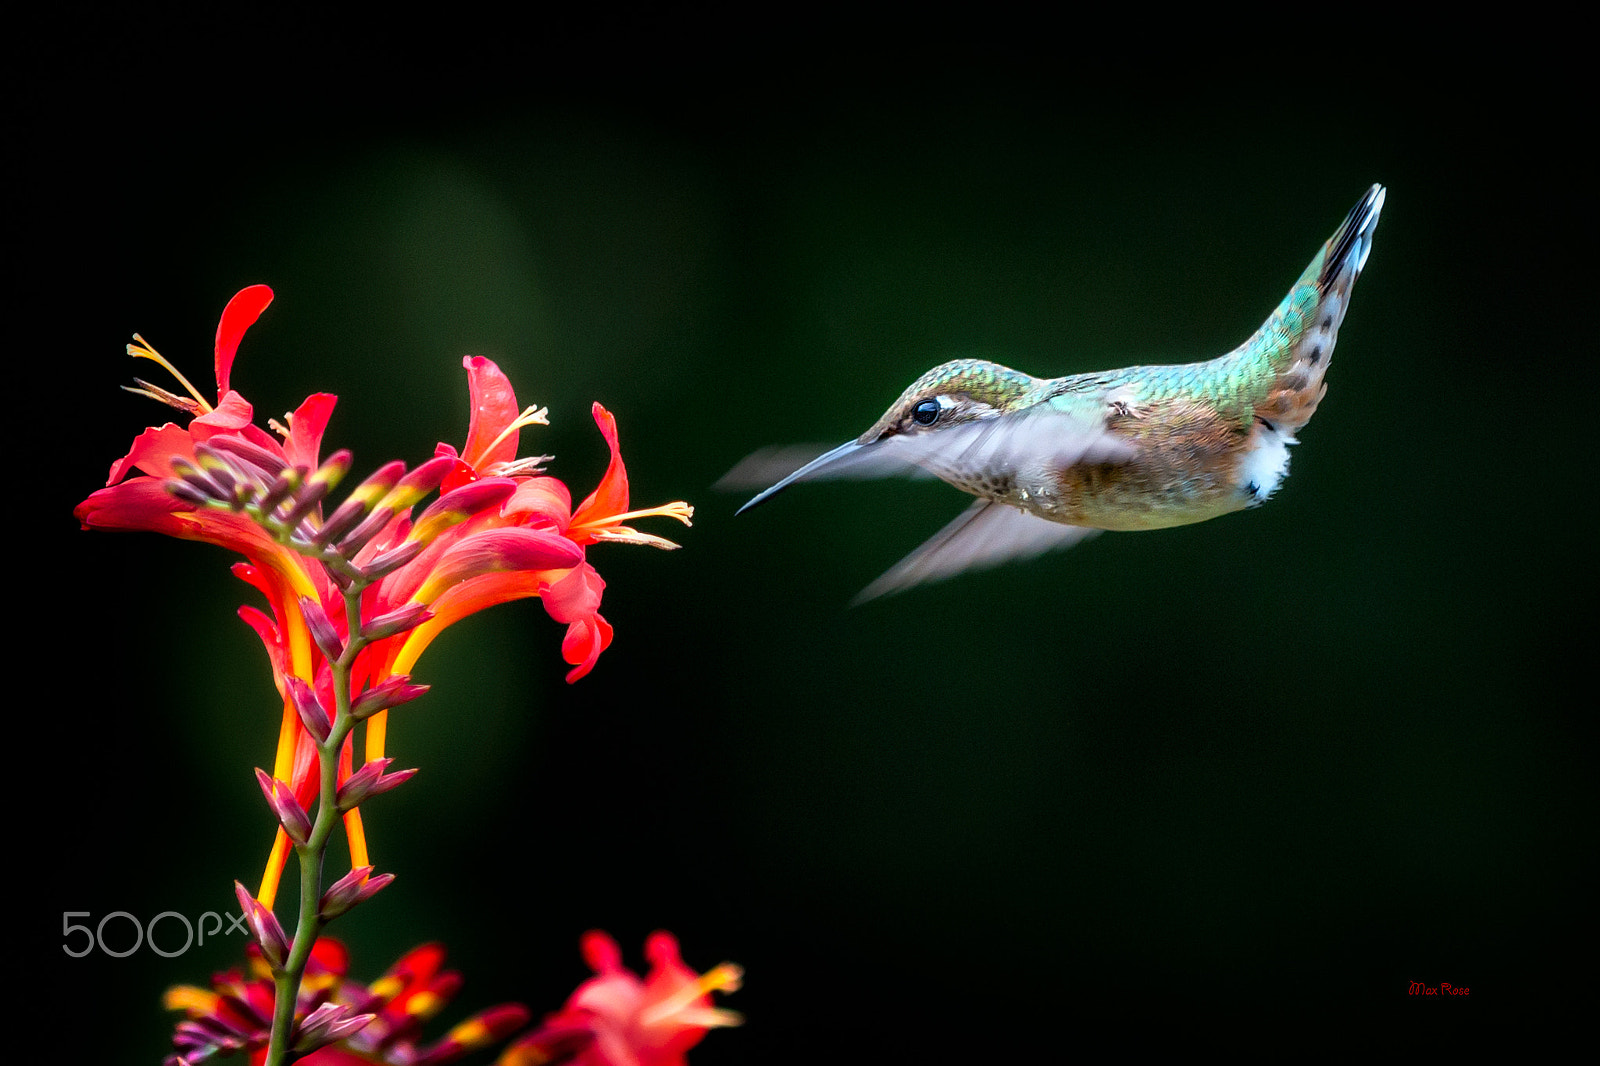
[
  {"x": 615, "y": 1018},
  {"x": 353, "y": 599},
  {"x": 500, "y": 531}
]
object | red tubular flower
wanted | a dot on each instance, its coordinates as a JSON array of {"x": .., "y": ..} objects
[
  {"x": 616, "y": 1019},
  {"x": 496, "y": 533},
  {"x": 235, "y": 1013}
]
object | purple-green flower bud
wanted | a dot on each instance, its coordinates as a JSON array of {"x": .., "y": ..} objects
[
  {"x": 317, "y": 486},
  {"x": 359, "y": 503},
  {"x": 290, "y": 814},
  {"x": 417, "y": 484},
  {"x": 264, "y": 928},
  {"x": 279, "y": 488},
  {"x": 460, "y": 504},
  {"x": 188, "y": 493},
  {"x": 321, "y": 627},
  {"x": 199, "y": 481},
  {"x": 238, "y": 450},
  {"x": 219, "y": 470},
  {"x": 328, "y": 1023},
  {"x": 369, "y": 527},
  {"x": 396, "y": 621},
  {"x": 313, "y": 715},
  {"x": 369, "y": 781},
  {"x": 357, "y": 886},
  {"x": 391, "y": 560},
  {"x": 391, "y": 692}
]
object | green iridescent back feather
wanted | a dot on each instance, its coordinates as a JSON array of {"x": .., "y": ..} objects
[{"x": 1235, "y": 383}]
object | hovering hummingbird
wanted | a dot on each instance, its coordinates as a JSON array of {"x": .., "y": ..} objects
[{"x": 1054, "y": 460}]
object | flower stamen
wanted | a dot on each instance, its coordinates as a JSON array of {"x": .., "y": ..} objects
[
  {"x": 142, "y": 350},
  {"x": 610, "y": 527},
  {"x": 530, "y": 416},
  {"x": 676, "y": 509},
  {"x": 724, "y": 978}
]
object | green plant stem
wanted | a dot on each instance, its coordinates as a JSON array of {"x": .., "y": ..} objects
[{"x": 309, "y": 925}]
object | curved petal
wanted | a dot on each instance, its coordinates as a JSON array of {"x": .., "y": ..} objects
[
  {"x": 231, "y": 415},
  {"x": 611, "y": 496},
  {"x": 541, "y": 499},
  {"x": 240, "y": 314},
  {"x": 153, "y": 452},
  {"x": 581, "y": 647},
  {"x": 497, "y": 550},
  {"x": 304, "y": 443},
  {"x": 575, "y": 596},
  {"x": 494, "y": 407}
]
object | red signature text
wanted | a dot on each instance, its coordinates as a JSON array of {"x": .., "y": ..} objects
[{"x": 1443, "y": 988}]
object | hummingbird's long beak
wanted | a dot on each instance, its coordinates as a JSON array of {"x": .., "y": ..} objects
[{"x": 828, "y": 460}]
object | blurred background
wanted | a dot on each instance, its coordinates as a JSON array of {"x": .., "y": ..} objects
[{"x": 1279, "y": 764}]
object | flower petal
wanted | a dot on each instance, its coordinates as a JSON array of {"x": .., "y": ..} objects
[
  {"x": 611, "y": 496},
  {"x": 494, "y": 407},
  {"x": 304, "y": 442},
  {"x": 498, "y": 550},
  {"x": 575, "y": 596},
  {"x": 585, "y": 640},
  {"x": 240, "y": 314}
]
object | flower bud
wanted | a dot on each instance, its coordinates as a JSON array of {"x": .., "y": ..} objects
[
  {"x": 290, "y": 814},
  {"x": 317, "y": 486},
  {"x": 327, "y": 1024},
  {"x": 313, "y": 715},
  {"x": 397, "y": 621},
  {"x": 264, "y": 928},
  {"x": 391, "y": 692},
  {"x": 460, "y": 504},
  {"x": 362, "y": 499},
  {"x": 388, "y": 561},
  {"x": 357, "y": 886},
  {"x": 321, "y": 627},
  {"x": 369, "y": 781}
]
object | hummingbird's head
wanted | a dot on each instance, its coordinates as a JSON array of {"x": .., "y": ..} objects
[
  {"x": 963, "y": 392},
  {"x": 952, "y": 394}
]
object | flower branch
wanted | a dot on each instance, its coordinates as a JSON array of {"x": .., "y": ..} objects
[{"x": 354, "y": 598}]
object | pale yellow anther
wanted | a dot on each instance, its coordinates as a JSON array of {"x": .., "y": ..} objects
[
  {"x": 531, "y": 415},
  {"x": 724, "y": 978},
  {"x": 610, "y": 527},
  {"x": 676, "y": 509},
  {"x": 142, "y": 350}
]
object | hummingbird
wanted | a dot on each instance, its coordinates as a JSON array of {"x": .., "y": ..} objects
[{"x": 1055, "y": 460}]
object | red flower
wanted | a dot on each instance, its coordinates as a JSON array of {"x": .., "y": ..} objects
[
  {"x": 497, "y": 533},
  {"x": 616, "y": 1019},
  {"x": 371, "y": 1024}
]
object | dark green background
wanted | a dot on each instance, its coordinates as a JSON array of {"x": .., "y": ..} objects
[{"x": 1274, "y": 766}]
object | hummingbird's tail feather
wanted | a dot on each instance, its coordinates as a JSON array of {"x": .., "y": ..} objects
[
  {"x": 1297, "y": 341},
  {"x": 985, "y": 534},
  {"x": 1349, "y": 247}
]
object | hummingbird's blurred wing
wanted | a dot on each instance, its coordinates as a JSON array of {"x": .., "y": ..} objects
[
  {"x": 1034, "y": 445},
  {"x": 985, "y": 534}
]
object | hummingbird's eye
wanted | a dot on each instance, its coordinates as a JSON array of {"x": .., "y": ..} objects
[{"x": 925, "y": 413}]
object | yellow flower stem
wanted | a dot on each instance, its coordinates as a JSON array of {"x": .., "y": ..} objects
[{"x": 274, "y": 871}]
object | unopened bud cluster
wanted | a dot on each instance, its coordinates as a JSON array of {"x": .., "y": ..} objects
[{"x": 285, "y": 500}]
